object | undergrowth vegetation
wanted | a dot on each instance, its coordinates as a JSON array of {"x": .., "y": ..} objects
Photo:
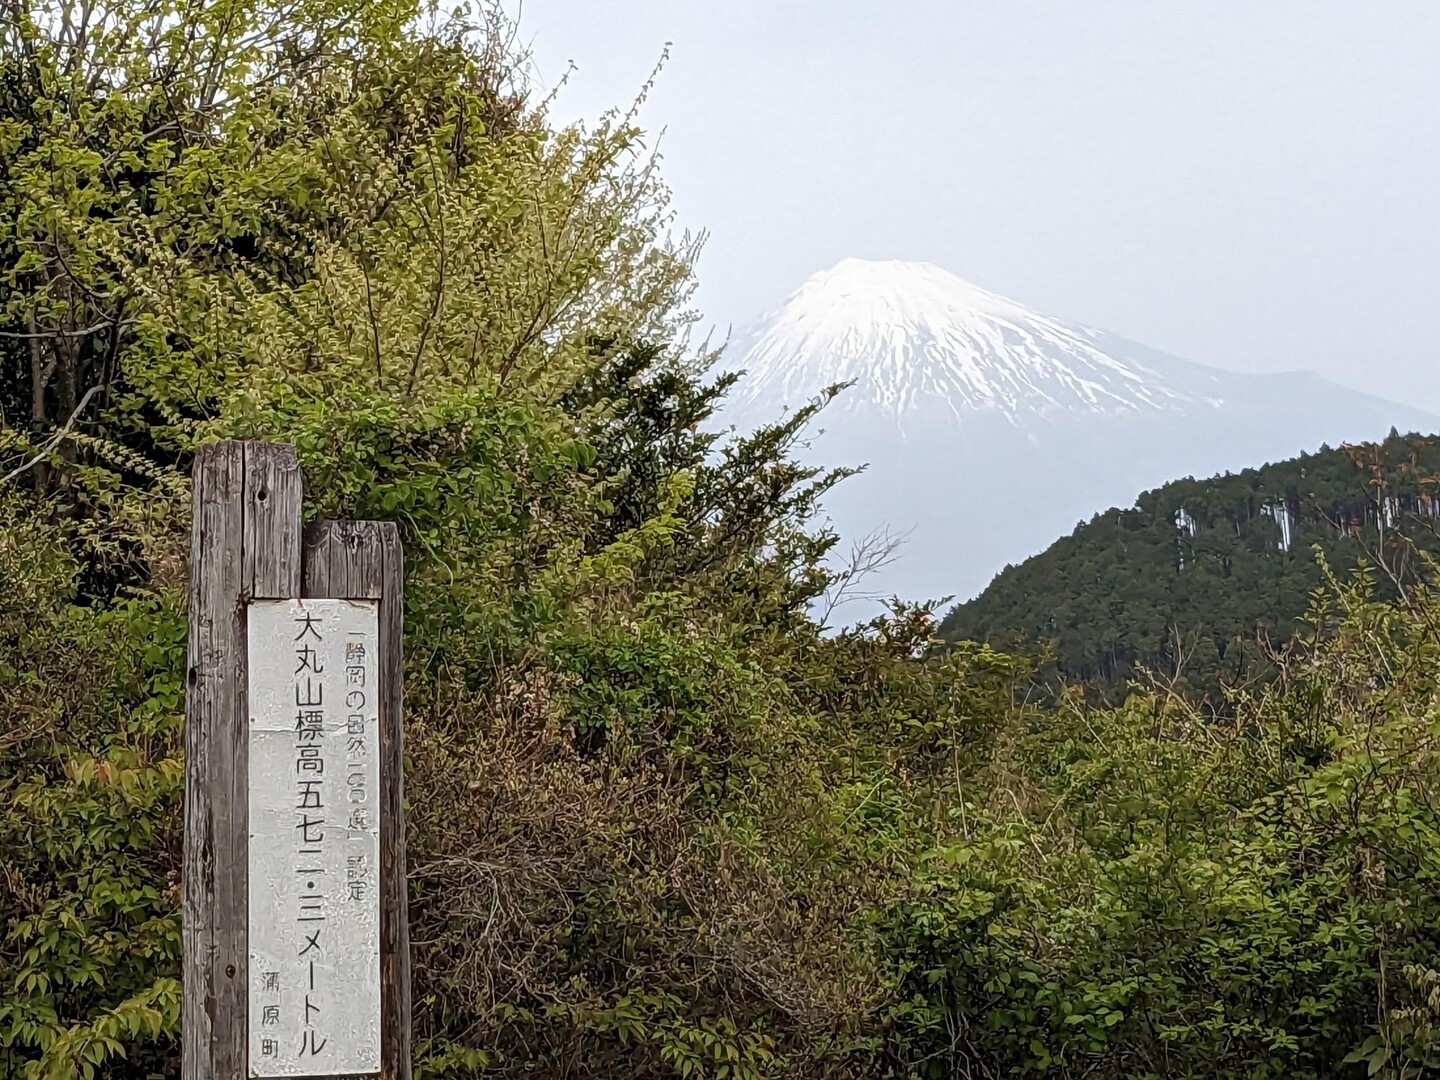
[{"x": 661, "y": 824}]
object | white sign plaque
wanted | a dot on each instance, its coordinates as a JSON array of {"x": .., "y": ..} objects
[{"x": 314, "y": 995}]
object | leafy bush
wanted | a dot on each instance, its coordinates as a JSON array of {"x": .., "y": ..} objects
[{"x": 1166, "y": 896}]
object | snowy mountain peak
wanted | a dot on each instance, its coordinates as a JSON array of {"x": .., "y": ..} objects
[
  {"x": 911, "y": 335},
  {"x": 890, "y": 290}
]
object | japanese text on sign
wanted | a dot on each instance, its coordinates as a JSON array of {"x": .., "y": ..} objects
[{"x": 314, "y": 920}]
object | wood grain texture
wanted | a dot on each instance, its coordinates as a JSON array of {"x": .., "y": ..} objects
[
  {"x": 245, "y": 537},
  {"x": 344, "y": 560},
  {"x": 273, "y": 494},
  {"x": 395, "y": 914},
  {"x": 360, "y": 560}
]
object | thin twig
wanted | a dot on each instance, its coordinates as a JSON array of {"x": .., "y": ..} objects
[
  {"x": 57, "y": 332},
  {"x": 54, "y": 439}
]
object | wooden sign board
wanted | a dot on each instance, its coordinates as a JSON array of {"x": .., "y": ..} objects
[
  {"x": 314, "y": 843},
  {"x": 256, "y": 733}
]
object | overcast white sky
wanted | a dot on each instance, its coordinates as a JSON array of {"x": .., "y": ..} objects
[{"x": 1250, "y": 185}]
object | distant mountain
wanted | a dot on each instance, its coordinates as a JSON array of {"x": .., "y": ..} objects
[
  {"x": 990, "y": 429},
  {"x": 1191, "y": 580}
]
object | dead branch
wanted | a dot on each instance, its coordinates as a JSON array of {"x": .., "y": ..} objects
[{"x": 54, "y": 440}]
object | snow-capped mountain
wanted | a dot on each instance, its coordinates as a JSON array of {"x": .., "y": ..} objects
[
  {"x": 910, "y": 334},
  {"x": 990, "y": 429}
]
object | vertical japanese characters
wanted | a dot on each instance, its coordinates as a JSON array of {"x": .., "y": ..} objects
[
  {"x": 358, "y": 765},
  {"x": 310, "y": 809},
  {"x": 314, "y": 920}
]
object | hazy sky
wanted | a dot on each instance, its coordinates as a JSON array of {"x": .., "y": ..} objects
[{"x": 1250, "y": 185}]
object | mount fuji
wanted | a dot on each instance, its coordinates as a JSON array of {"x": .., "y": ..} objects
[{"x": 989, "y": 430}]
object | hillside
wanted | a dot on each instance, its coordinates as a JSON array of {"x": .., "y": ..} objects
[
  {"x": 964, "y": 405},
  {"x": 1198, "y": 575}
]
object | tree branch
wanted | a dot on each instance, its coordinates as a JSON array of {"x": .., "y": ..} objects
[
  {"x": 54, "y": 439},
  {"x": 58, "y": 332}
]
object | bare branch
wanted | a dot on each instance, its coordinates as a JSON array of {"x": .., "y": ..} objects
[
  {"x": 868, "y": 556},
  {"x": 59, "y": 333},
  {"x": 54, "y": 440}
]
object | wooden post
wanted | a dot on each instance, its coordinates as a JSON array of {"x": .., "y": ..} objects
[
  {"x": 245, "y": 544},
  {"x": 361, "y": 560}
]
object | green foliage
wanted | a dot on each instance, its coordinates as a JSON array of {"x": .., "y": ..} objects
[
  {"x": 90, "y": 782},
  {"x": 1180, "y": 898},
  {"x": 659, "y": 824}
]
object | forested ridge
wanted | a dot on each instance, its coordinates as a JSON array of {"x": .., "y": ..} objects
[
  {"x": 1201, "y": 581},
  {"x": 660, "y": 823}
]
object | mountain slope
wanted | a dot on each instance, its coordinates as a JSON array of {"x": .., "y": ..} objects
[
  {"x": 910, "y": 333},
  {"x": 990, "y": 429},
  {"x": 1187, "y": 581}
]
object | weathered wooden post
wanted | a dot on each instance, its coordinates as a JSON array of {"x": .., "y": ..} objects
[
  {"x": 296, "y": 946},
  {"x": 361, "y": 560}
]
